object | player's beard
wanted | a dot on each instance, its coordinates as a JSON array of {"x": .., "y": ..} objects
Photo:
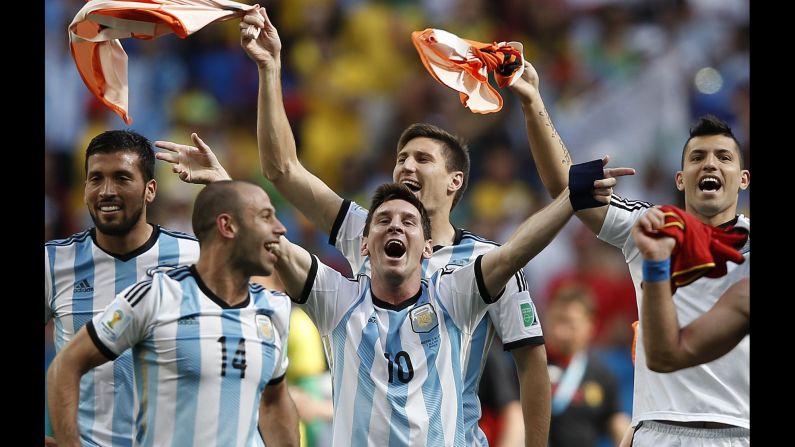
[{"x": 119, "y": 228}]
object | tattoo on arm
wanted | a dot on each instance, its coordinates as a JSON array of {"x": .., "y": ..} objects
[{"x": 566, "y": 160}]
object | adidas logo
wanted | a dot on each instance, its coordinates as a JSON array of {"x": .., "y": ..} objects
[
  {"x": 190, "y": 319},
  {"x": 83, "y": 286}
]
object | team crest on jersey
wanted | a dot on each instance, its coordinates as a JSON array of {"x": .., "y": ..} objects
[
  {"x": 160, "y": 268},
  {"x": 264, "y": 327},
  {"x": 114, "y": 321},
  {"x": 423, "y": 318}
]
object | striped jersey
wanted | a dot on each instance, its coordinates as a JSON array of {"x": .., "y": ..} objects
[
  {"x": 513, "y": 317},
  {"x": 396, "y": 369},
  {"x": 200, "y": 365},
  {"x": 718, "y": 391},
  {"x": 80, "y": 280}
]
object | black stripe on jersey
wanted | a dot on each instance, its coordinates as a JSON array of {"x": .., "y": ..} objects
[
  {"x": 482, "y": 286},
  {"x": 135, "y": 288},
  {"x": 255, "y": 288},
  {"x": 332, "y": 236},
  {"x": 179, "y": 273},
  {"x": 92, "y": 333},
  {"x": 521, "y": 281},
  {"x": 135, "y": 300},
  {"x": 310, "y": 281},
  {"x": 628, "y": 205},
  {"x": 277, "y": 380},
  {"x": 475, "y": 237},
  {"x": 178, "y": 234},
  {"x": 135, "y": 253},
  {"x": 75, "y": 238},
  {"x": 531, "y": 341}
]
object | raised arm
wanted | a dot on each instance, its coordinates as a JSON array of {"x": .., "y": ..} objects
[
  {"x": 668, "y": 347},
  {"x": 193, "y": 164},
  {"x": 277, "y": 151},
  {"x": 278, "y": 416},
  {"x": 550, "y": 155},
  {"x": 537, "y": 231},
  {"x": 63, "y": 385},
  {"x": 292, "y": 266}
]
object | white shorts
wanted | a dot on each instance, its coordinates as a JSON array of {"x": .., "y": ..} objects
[{"x": 655, "y": 434}]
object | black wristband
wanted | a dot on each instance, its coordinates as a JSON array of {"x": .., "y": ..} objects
[{"x": 581, "y": 179}]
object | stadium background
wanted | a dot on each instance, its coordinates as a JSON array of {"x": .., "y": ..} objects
[{"x": 619, "y": 77}]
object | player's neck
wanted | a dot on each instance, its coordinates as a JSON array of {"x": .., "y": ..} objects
[
  {"x": 395, "y": 290},
  {"x": 718, "y": 219},
  {"x": 229, "y": 285},
  {"x": 442, "y": 231},
  {"x": 126, "y": 243}
]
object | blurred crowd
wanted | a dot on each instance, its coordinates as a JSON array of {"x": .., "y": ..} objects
[{"x": 619, "y": 77}]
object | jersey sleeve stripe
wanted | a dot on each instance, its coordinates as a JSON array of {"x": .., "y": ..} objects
[
  {"x": 134, "y": 290},
  {"x": 135, "y": 298},
  {"x": 92, "y": 333},
  {"x": 482, "y": 285},
  {"x": 335, "y": 229},
  {"x": 178, "y": 234},
  {"x": 628, "y": 205},
  {"x": 310, "y": 281},
  {"x": 530, "y": 341}
]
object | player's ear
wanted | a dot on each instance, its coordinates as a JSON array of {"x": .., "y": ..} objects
[
  {"x": 364, "y": 250},
  {"x": 151, "y": 191},
  {"x": 427, "y": 250}
]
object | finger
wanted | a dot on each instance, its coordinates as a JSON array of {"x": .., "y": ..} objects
[
  {"x": 618, "y": 172},
  {"x": 605, "y": 160},
  {"x": 252, "y": 19},
  {"x": 266, "y": 20},
  {"x": 608, "y": 182},
  {"x": 606, "y": 192},
  {"x": 167, "y": 157},
  {"x": 200, "y": 144},
  {"x": 167, "y": 145}
]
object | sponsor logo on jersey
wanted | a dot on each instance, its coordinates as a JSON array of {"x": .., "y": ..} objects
[
  {"x": 264, "y": 327},
  {"x": 114, "y": 321},
  {"x": 423, "y": 318},
  {"x": 83, "y": 286},
  {"x": 528, "y": 314},
  {"x": 188, "y": 320}
]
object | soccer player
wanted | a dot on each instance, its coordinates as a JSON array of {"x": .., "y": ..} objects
[
  {"x": 209, "y": 348},
  {"x": 667, "y": 346},
  {"x": 84, "y": 272},
  {"x": 397, "y": 342},
  {"x": 710, "y": 401},
  {"x": 432, "y": 163}
]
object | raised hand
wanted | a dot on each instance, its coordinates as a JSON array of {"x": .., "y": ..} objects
[
  {"x": 263, "y": 48},
  {"x": 527, "y": 85},
  {"x": 603, "y": 188},
  {"x": 193, "y": 164},
  {"x": 650, "y": 246}
]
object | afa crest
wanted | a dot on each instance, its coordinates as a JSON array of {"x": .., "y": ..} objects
[
  {"x": 423, "y": 318},
  {"x": 264, "y": 328}
]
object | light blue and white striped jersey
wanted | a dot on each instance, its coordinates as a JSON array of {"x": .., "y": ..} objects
[
  {"x": 200, "y": 365},
  {"x": 396, "y": 369},
  {"x": 80, "y": 280},
  {"x": 513, "y": 317}
]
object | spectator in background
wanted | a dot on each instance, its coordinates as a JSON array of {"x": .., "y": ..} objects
[
  {"x": 501, "y": 421},
  {"x": 585, "y": 401}
]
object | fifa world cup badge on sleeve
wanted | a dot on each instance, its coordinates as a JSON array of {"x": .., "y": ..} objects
[
  {"x": 264, "y": 327},
  {"x": 423, "y": 318},
  {"x": 114, "y": 321}
]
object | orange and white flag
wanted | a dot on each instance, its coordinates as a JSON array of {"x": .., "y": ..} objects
[
  {"x": 96, "y": 29},
  {"x": 464, "y": 65}
]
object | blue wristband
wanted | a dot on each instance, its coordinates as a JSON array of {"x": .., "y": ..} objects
[{"x": 654, "y": 271}]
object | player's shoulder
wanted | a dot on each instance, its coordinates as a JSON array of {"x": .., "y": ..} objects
[
  {"x": 630, "y": 205},
  {"x": 168, "y": 233},
  {"x": 169, "y": 272},
  {"x": 468, "y": 237},
  {"x": 77, "y": 238}
]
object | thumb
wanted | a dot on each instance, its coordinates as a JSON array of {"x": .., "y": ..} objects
[{"x": 200, "y": 144}]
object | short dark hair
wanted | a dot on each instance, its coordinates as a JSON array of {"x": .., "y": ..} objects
[
  {"x": 455, "y": 151},
  {"x": 112, "y": 141},
  {"x": 709, "y": 125},
  {"x": 216, "y": 198},
  {"x": 395, "y": 191}
]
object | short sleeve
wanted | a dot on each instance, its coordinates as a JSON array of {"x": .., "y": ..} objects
[
  {"x": 330, "y": 295},
  {"x": 617, "y": 227},
  {"x": 346, "y": 235}
]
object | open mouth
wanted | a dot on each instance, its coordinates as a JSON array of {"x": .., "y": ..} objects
[
  {"x": 709, "y": 184},
  {"x": 412, "y": 185},
  {"x": 394, "y": 248}
]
